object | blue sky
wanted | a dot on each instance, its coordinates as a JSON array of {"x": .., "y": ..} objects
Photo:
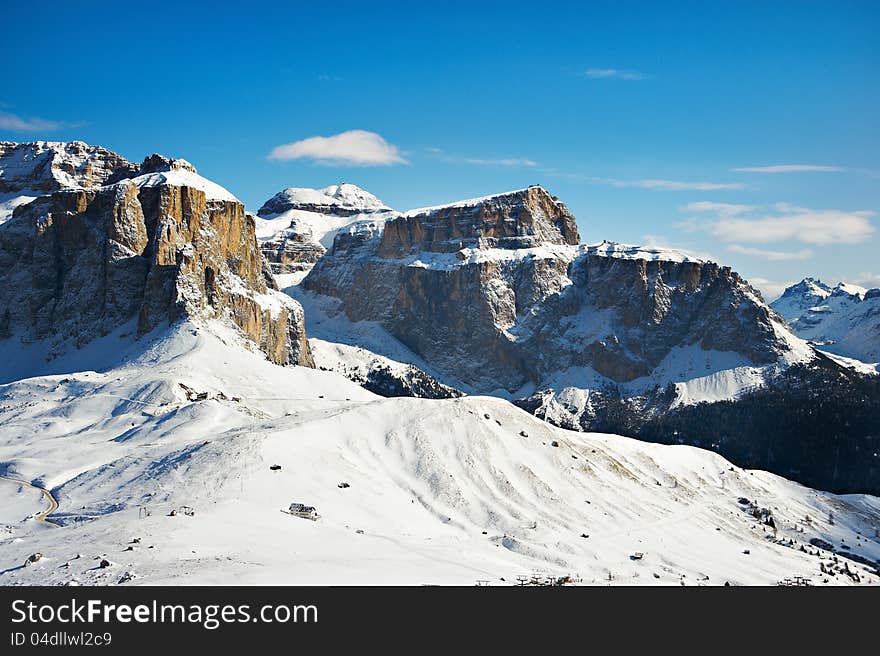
[{"x": 637, "y": 115}]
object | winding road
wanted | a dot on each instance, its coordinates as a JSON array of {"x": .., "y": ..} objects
[{"x": 43, "y": 514}]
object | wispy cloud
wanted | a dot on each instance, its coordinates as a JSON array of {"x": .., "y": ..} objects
[
  {"x": 650, "y": 183},
  {"x": 350, "y": 148},
  {"x": 17, "y": 123},
  {"x": 724, "y": 209},
  {"x": 669, "y": 185},
  {"x": 512, "y": 161},
  {"x": 790, "y": 168},
  {"x": 783, "y": 221},
  {"x": 773, "y": 256},
  {"x": 868, "y": 279},
  {"x": 605, "y": 73},
  {"x": 661, "y": 242},
  {"x": 770, "y": 289}
]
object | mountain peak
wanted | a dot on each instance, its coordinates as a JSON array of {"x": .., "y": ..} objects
[
  {"x": 157, "y": 163},
  {"x": 342, "y": 199},
  {"x": 158, "y": 170},
  {"x": 849, "y": 289},
  {"x": 813, "y": 285}
]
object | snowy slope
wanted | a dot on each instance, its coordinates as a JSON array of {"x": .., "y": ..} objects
[
  {"x": 184, "y": 177},
  {"x": 321, "y": 228},
  {"x": 450, "y": 491},
  {"x": 12, "y": 199}
]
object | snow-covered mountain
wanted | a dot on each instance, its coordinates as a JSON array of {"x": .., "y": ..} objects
[
  {"x": 800, "y": 297},
  {"x": 297, "y": 225},
  {"x": 142, "y": 390},
  {"x": 170, "y": 457},
  {"x": 496, "y": 295},
  {"x": 342, "y": 199},
  {"x": 499, "y": 293},
  {"x": 158, "y": 244},
  {"x": 843, "y": 320}
]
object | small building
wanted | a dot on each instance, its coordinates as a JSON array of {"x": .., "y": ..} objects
[{"x": 304, "y": 511}]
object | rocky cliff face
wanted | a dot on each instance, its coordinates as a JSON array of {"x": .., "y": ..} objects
[
  {"x": 498, "y": 293},
  {"x": 161, "y": 245},
  {"x": 518, "y": 219},
  {"x": 292, "y": 249}
]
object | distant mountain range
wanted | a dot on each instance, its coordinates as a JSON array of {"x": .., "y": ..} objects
[{"x": 844, "y": 319}]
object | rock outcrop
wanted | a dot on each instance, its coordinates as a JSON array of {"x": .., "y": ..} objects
[
  {"x": 292, "y": 249},
  {"x": 497, "y": 293},
  {"x": 159, "y": 246}
]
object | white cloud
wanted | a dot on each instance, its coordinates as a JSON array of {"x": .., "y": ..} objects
[
  {"x": 480, "y": 161},
  {"x": 790, "y": 168},
  {"x": 600, "y": 73},
  {"x": 512, "y": 161},
  {"x": 773, "y": 256},
  {"x": 19, "y": 124},
  {"x": 869, "y": 280},
  {"x": 661, "y": 242},
  {"x": 770, "y": 289},
  {"x": 670, "y": 185},
  {"x": 723, "y": 209},
  {"x": 818, "y": 227},
  {"x": 350, "y": 148},
  {"x": 789, "y": 222},
  {"x": 653, "y": 184}
]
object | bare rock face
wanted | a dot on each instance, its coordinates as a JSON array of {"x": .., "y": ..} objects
[
  {"x": 47, "y": 166},
  {"x": 519, "y": 219},
  {"x": 292, "y": 249},
  {"x": 497, "y": 293},
  {"x": 77, "y": 263}
]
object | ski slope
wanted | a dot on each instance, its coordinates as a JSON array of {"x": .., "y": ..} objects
[{"x": 439, "y": 492}]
